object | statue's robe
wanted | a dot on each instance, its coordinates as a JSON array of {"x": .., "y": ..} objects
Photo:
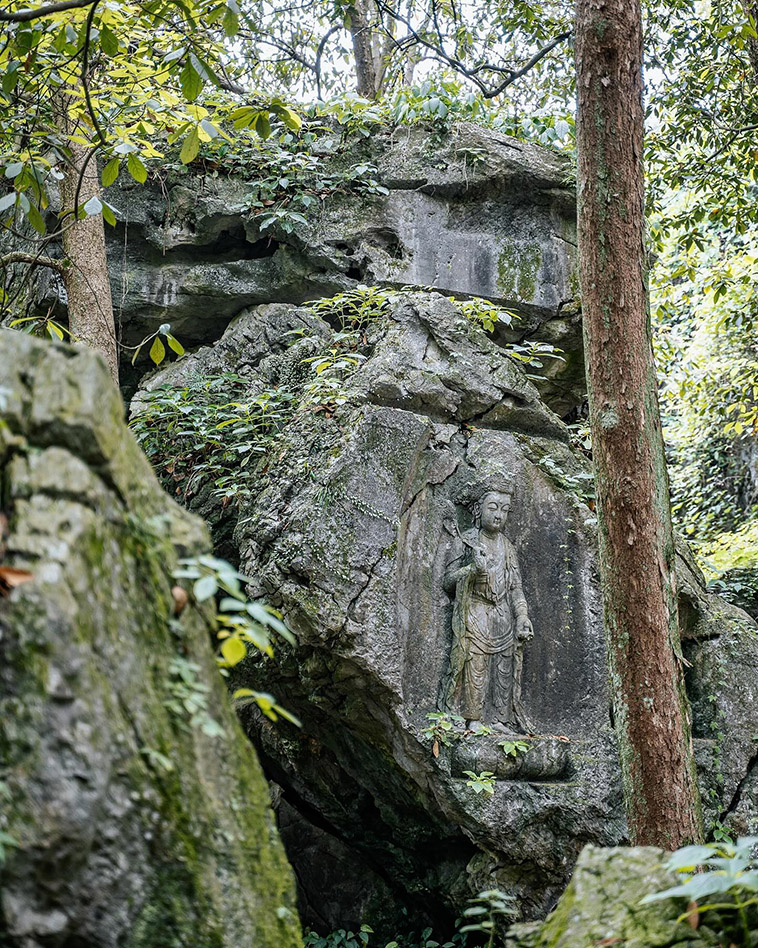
[{"x": 483, "y": 653}]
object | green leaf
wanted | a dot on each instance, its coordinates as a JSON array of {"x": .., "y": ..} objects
[
  {"x": 7, "y": 200},
  {"x": 157, "y": 351},
  {"x": 13, "y": 169},
  {"x": 244, "y": 116},
  {"x": 230, "y": 23},
  {"x": 136, "y": 168},
  {"x": 35, "y": 219},
  {"x": 233, "y": 651},
  {"x": 108, "y": 41},
  {"x": 262, "y": 125},
  {"x": 243, "y": 693},
  {"x": 291, "y": 119},
  {"x": 10, "y": 79},
  {"x": 204, "y": 588},
  {"x": 689, "y": 857},
  {"x": 190, "y": 148},
  {"x": 110, "y": 172},
  {"x": 108, "y": 216},
  {"x": 190, "y": 81},
  {"x": 174, "y": 344}
]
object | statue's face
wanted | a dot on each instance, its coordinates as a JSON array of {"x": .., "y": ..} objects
[{"x": 494, "y": 511}]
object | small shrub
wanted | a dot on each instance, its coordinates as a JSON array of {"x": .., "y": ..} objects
[{"x": 719, "y": 892}]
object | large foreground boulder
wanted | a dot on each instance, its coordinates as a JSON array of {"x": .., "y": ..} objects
[
  {"x": 133, "y": 811},
  {"x": 427, "y": 529},
  {"x": 602, "y": 906}
]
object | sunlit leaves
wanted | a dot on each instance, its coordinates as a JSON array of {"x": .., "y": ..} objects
[
  {"x": 110, "y": 172},
  {"x": 190, "y": 148},
  {"x": 157, "y": 351},
  {"x": 240, "y": 623},
  {"x": 191, "y": 81},
  {"x": 136, "y": 168}
]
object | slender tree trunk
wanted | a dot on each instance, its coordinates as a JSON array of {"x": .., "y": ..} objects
[
  {"x": 751, "y": 9},
  {"x": 637, "y": 556},
  {"x": 363, "y": 48},
  {"x": 90, "y": 305}
]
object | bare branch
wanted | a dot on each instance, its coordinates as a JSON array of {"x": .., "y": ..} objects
[
  {"x": 320, "y": 53},
  {"x": 33, "y": 260},
  {"x": 438, "y": 52},
  {"x": 24, "y": 16}
]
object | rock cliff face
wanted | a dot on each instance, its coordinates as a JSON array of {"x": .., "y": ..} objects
[
  {"x": 364, "y": 523},
  {"x": 471, "y": 213},
  {"x": 121, "y": 823}
]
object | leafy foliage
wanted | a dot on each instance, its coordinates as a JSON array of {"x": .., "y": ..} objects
[
  {"x": 483, "y": 782},
  {"x": 189, "y": 697},
  {"x": 210, "y": 430},
  {"x": 339, "y": 939},
  {"x": 706, "y": 312},
  {"x": 720, "y": 890},
  {"x": 513, "y": 748},
  {"x": 239, "y": 624},
  {"x": 348, "y": 939},
  {"x": 488, "y": 913}
]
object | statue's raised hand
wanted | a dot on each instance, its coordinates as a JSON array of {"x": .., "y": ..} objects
[{"x": 480, "y": 560}]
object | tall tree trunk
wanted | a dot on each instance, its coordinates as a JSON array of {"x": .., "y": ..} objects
[
  {"x": 363, "y": 48},
  {"x": 90, "y": 305},
  {"x": 637, "y": 556},
  {"x": 751, "y": 9}
]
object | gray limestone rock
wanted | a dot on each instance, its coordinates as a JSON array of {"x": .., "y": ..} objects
[
  {"x": 472, "y": 212},
  {"x": 362, "y": 526},
  {"x": 602, "y": 906},
  {"x": 121, "y": 824}
]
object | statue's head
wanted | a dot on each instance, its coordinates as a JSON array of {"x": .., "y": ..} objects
[
  {"x": 489, "y": 500},
  {"x": 491, "y": 510}
]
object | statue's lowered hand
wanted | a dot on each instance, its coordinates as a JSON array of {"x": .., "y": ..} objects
[{"x": 524, "y": 628}]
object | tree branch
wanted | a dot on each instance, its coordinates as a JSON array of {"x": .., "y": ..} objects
[
  {"x": 439, "y": 52},
  {"x": 24, "y": 16},
  {"x": 33, "y": 260}
]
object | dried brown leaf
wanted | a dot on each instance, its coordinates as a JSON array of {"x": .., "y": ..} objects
[{"x": 11, "y": 577}]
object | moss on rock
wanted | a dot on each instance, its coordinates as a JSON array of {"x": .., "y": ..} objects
[{"x": 133, "y": 828}]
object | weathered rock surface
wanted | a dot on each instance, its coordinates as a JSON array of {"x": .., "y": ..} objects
[
  {"x": 476, "y": 213},
  {"x": 350, "y": 527},
  {"x": 125, "y": 825},
  {"x": 601, "y": 906}
]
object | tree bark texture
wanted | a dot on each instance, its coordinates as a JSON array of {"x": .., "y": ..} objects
[
  {"x": 363, "y": 48},
  {"x": 751, "y": 9},
  {"x": 90, "y": 305},
  {"x": 637, "y": 555}
]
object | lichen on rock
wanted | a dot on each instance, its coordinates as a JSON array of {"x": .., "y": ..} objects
[
  {"x": 127, "y": 825},
  {"x": 602, "y": 906}
]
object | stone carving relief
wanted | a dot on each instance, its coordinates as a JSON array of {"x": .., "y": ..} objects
[{"x": 490, "y": 615}]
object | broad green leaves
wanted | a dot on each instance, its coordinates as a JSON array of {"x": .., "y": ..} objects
[
  {"x": 190, "y": 148},
  {"x": 240, "y": 623},
  {"x": 148, "y": 67},
  {"x": 719, "y": 888},
  {"x": 136, "y": 168}
]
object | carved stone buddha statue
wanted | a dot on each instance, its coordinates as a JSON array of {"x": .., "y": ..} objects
[{"x": 490, "y": 617}]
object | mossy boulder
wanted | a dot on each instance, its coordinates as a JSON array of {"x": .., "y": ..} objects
[
  {"x": 602, "y": 906},
  {"x": 122, "y": 823}
]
